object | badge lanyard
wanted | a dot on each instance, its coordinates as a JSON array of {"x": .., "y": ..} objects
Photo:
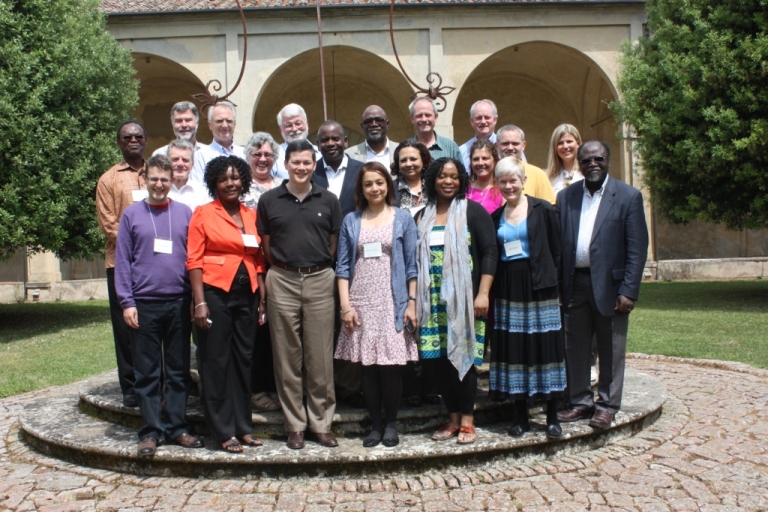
[
  {"x": 514, "y": 247},
  {"x": 162, "y": 245}
]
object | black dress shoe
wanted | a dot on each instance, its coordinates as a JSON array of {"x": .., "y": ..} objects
[
  {"x": 575, "y": 414},
  {"x": 130, "y": 400},
  {"x": 601, "y": 419},
  {"x": 187, "y": 441},
  {"x": 373, "y": 439},
  {"x": 390, "y": 436},
  {"x": 326, "y": 439},
  {"x": 519, "y": 430},
  {"x": 147, "y": 447},
  {"x": 554, "y": 430},
  {"x": 295, "y": 440}
]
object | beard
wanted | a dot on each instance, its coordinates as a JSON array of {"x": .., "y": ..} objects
[{"x": 292, "y": 136}]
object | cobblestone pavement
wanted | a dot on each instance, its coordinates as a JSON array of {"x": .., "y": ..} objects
[{"x": 708, "y": 451}]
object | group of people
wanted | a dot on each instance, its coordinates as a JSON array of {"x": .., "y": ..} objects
[{"x": 374, "y": 273}]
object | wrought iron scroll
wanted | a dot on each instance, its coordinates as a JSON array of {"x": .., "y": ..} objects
[
  {"x": 210, "y": 98},
  {"x": 437, "y": 92}
]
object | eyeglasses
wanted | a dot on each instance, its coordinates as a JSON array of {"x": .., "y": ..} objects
[
  {"x": 586, "y": 161},
  {"x": 370, "y": 120},
  {"x": 263, "y": 155},
  {"x": 130, "y": 137},
  {"x": 164, "y": 181}
]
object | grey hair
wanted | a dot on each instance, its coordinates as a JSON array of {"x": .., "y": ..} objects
[
  {"x": 183, "y": 106},
  {"x": 291, "y": 110},
  {"x": 227, "y": 104},
  {"x": 475, "y": 104},
  {"x": 510, "y": 128},
  {"x": 257, "y": 140},
  {"x": 412, "y": 106},
  {"x": 181, "y": 144},
  {"x": 509, "y": 165}
]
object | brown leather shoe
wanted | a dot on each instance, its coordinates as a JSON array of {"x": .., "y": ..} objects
[
  {"x": 187, "y": 441},
  {"x": 601, "y": 419},
  {"x": 295, "y": 440},
  {"x": 326, "y": 439},
  {"x": 575, "y": 414},
  {"x": 147, "y": 447}
]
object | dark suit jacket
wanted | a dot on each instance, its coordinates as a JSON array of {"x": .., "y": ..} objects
[
  {"x": 619, "y": 244},
  {"x": 347, "y": 197}
]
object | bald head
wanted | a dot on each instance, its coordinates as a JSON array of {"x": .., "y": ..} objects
[{"x": 375, "y": 124}]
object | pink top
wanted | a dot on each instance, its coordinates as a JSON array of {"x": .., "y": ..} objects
[{"x": 490, "y": 198}]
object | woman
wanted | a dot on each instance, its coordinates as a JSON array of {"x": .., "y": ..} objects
[
  {"x": 457, "y": 262},
  {"x": 226, "y": 271},
  {"x": 483, "y": 156},
  {"x": 527, "y": 349},
  {"x": 411, "y": 158},
  {"x": 260, "y": 151},
  {"x": 376, "y": 254},
  {"x": 562, "y": 167}
]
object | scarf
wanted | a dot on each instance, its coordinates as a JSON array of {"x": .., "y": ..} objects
[{"x": 456, "y": 289}]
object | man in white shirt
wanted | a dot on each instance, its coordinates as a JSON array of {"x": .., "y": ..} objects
[
  {"x": 181, "y": 153},
  {"x": 293, "y": 123},
  {"x": 483, "y": 116},
  {"x": 377, "y": 147},
  {"x": 185, "y": 119},
  {"x": 222, "y": 119}
]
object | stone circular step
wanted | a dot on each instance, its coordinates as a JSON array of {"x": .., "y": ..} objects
[{"x": 59, "y": 427}]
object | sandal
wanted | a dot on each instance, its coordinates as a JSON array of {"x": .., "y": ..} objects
[
  {"x": 446, "y": 431},
  {"x": 249, "y": 440},
  {"x": 467, "y": 435},
  {"x": 263, "y": 402},
  {"x": 232, "y": 445}
]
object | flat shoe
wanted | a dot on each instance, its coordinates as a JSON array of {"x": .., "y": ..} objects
[
  {"x": 467, "y": 435},
  {"x": 147, "y": 447},
  {"x": 249, "y": 440},
  {"x": 575, "y": 414},
  {"x": 296, "y": 440},
  {"x": 554, "y": 431},
  {"x": 447, "y": 431},
  {"x": 519, "y": 430},
  {"x": 326, "y": 439},
  {"x": 373, "y": 439},
  {"x": 188, "y": 441},
  {"x": 232, "y": 445},
  {"x": 390, "y": 437},
  {"x": 601, "y": 419}
]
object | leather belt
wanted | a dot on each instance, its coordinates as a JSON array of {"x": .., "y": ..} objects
[
  {"x": 300, "y": 270},
  {"x": 242, "y": 279}
]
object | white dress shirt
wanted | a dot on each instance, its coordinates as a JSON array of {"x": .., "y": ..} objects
[
  {"x": 211, "y": 151},
  {"x": 336, "y": 178},
  {"x": 193, "y": 194},
  {"x": 589, "y": 207},
  {"x": 383, "y": 158}
]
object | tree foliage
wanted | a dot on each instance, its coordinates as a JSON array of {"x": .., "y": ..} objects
[
  {"x": 65, "y": 87},
  {"x": 696, "y": 91}
]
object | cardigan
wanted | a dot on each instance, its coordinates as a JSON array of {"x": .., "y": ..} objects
[
  {"x": 543, "y": 241},
  {"x": 404, "y": 267}
]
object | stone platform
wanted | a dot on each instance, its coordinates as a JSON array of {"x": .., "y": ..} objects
[{"x": 91, "y": 428}]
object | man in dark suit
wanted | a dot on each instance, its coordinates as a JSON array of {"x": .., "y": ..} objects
[
  {"x": 336, "y": 171},
  {"x": 604, "y": 248}
]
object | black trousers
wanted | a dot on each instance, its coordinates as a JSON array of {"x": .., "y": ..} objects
[
  {"x": 225, "y": 352},
  {"x": 122, "y": 338},
  {"x": 263, "y": 370},
  {"x": 161, "y": 346},
  {"x": 458, "y": 394}
]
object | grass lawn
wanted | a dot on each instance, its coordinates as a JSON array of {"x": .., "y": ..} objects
[{"x": 56, "y": 343}]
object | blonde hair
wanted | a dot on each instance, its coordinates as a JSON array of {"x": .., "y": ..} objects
[{"x": 554, "y": 162}]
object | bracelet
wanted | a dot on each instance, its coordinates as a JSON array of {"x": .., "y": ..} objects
[
  {"x": 201, "y": 304},
  {"x": 345, "y": 312},
  {"x": 412, "y": 298},
  {"x": 263, "y": 302}
]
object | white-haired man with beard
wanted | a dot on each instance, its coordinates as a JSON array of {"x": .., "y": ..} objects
[
  {"x": 185, "y": 118},
  {"x": 292, "y": 120}
]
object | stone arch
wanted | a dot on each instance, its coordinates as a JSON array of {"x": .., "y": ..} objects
[
  {"x": 354, "y": 79},
  {"x": 163, "y": 83},
  {"x": 538, "y": 85}
]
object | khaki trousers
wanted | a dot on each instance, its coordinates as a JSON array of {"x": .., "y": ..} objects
[{"x": 301, "y": 315}]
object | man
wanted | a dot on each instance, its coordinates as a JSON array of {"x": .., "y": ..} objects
[
  {"x": 185, "y": 119},
  {"x": 604, "y": 248},
  {"x": 377, "y": 146},
  {"x": 483, "y": 116},
  {"x": 181, "y": 153},
  {"x": 118, "y": 188},
  {"x": 222, "y": 119},
  {"x": 299, "y": 224},
  {"x": 292, "y": 120},
  {"x": 154, "y": 292},
  {"x": 423, "y": 113},
  {"x": 336, "y": 171},
  {"x": 510, "y": 141}
]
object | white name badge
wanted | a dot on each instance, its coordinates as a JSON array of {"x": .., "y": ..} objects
[
  {"x": 163, "y": 246},
  {"x": 372, "y": 250},
  {"x": 139, "y": 195},
  {"x": 436, "y": 238},
  {"x": 415, "y": 209},
  {"x": 250, "y": 241},
  {"x": 513, "y": 248}
]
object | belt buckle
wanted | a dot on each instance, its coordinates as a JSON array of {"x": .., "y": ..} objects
[{"x": 299, "y": 270}]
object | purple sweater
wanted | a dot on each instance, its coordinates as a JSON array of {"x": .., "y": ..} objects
[{"x": 140, "y": 272}]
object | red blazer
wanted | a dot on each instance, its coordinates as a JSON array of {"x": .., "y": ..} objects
[{"x": 215, "y": 245}]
